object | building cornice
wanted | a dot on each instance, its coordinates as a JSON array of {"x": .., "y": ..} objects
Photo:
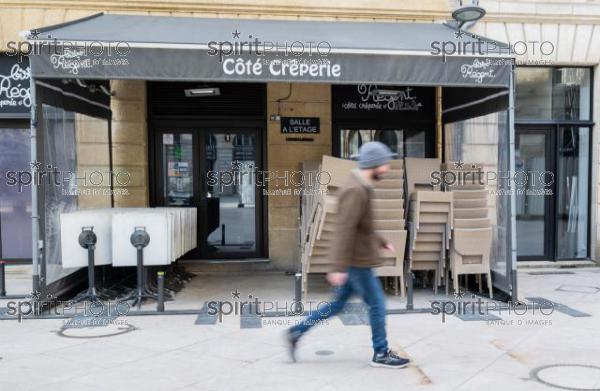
[{"x": 537, "y": 18}]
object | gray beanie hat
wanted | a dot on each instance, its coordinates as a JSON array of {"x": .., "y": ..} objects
[{"x": 373, "y": 154}]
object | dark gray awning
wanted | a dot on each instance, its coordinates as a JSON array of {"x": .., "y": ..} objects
[{"x": 177, "y": 48}]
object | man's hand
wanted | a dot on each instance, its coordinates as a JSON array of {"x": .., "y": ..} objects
[
  {"x": 389, "y": 246},
  {"x": 337, "y": 278}
]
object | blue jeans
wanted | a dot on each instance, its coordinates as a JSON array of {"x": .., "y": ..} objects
[{"x": 364, "y": 283}]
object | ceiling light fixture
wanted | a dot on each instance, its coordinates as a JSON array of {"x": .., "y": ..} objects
[{"x": 197, "y": 92}]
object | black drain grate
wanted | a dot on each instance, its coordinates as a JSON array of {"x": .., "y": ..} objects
[
  {"x": 565, "y": 309},
  {"x": 578, "y": 289},
  {"x": 549, "y": 273},
  {"x": 249, "y": 318},
  {"x": 204, "y": 317}
]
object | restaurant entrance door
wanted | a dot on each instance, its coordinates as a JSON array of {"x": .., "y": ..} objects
[{"x": 214, "y": 171}]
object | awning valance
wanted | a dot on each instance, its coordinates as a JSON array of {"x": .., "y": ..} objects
[{"x": 180, "y": 48}]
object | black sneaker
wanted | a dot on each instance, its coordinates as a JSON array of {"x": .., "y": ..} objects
[
  {"x": 388, "y": 359},
  {"x": 292, "y": 338}
]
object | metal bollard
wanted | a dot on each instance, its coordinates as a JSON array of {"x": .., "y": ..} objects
[
  {"x": 297, "y": 292},
  {"x": 160, "y": 302},
  {"x": 409, "y": 294},
  {"x": 2, "y": 279}
]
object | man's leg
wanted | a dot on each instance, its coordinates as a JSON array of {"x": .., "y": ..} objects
[
  {"x": 369, "y": 288},
  {"x": 342, "y": 295}
]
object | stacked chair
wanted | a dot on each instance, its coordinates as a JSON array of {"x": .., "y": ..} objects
[
  {"x": 390, "y": 222},
  {"x": 319, "y": 216},
  {"x": 472, "y": 236},
  {"x": 430, "y": 219},
  {"x": 442, "y": 220},
  {"x": 318, "y": 220}
]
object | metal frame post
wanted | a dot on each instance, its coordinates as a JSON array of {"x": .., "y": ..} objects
[
  {"x": 513, "y": 202},
  {"x": 35, "y": 228},
  {"x": 2, "y": 279}
]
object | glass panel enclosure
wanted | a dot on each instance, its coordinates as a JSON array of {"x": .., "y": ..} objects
[
  {"x": 485, "y": 140},
  {"x": 77, "y": 172},
  {"x": 545, "y": 93},
  {"x": 15, "y": 194},
  {"x": 573, "y": 192}
]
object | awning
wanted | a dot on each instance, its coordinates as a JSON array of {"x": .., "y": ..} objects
[{"x": 181, "y": 48}]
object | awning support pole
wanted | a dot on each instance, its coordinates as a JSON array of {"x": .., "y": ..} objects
[
  {"x": 513, "y": 203},
  {"x": 438, "y": 123},
  {"x": 35, "y": 219}
]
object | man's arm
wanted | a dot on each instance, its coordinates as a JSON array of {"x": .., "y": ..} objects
[{"x": 351, "y": 206}]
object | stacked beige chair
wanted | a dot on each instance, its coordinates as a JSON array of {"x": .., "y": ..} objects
[
  {"x": 320, "y": 224},
  {"x": 389, "y": 218},
  {"x": 430, "y": 219},
  {"x": 472, "y": 236},
  {"x": 388, "y": 209}
]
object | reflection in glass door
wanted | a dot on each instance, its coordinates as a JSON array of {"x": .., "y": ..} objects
[
  {"x": 178, "y": 167},
  {"x": 532, "y": 162},
  {"x": 230, "y": 194}
]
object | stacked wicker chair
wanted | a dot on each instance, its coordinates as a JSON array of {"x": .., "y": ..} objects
[
  {"x": 388, "y": 209},
  {"x": 430, "y": 219},
  {"x": 472, "y": 235}
]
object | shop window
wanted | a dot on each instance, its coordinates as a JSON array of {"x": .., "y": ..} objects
[
  {"x": 15, "y": 191},
  {"x": 545, "y": 93}
]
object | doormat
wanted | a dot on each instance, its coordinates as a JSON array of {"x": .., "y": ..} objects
[
  {"x": 578, "y": 289},
  {"x": 565, "y": 309},
  {"x": 204, "y": 317},
  {"x": 547, "y": 273}
]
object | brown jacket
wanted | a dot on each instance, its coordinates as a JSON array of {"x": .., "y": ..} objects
[{"x": 355, "y": 241}]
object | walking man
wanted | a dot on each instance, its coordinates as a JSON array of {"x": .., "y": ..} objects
[{"x": 355, "y": 253}]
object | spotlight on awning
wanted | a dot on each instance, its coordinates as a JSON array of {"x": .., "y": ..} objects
[
  {"x": 380, "y": 92},
  {"x": 196, "y": 92},
  {"x": 468, "y": 13}
]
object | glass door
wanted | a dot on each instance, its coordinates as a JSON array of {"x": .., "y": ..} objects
[
  {"x": 572, "y": 192},
  {"x": 214, "y": 171},
  {"x": 534, "y": 181},
  {"x": 229, "y": 194}
]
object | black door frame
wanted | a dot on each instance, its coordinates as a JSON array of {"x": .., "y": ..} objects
[
  {"x": 551, "y": 219},
  {"x": 549, "y": 202},
  {"x": 197, "y": 128}
]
